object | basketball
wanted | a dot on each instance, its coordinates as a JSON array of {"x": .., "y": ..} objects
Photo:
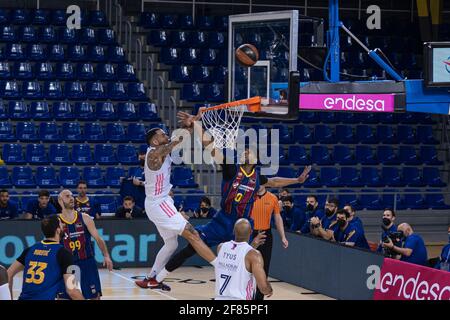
[{"x": 247, "y": 55}]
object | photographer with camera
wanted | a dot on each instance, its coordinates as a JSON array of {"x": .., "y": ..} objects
[
  {"x": 412, "y": 248},
  {"x": 444, "y": 259},
  {"x": 129, "y": 210},
  {"x": 389, "y": 228}
]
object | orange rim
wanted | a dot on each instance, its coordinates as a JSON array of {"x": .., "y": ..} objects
[{"x": 253, "y": 105}]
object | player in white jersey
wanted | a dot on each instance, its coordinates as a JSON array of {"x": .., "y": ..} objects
[
  {"x": 161, "y": 210},
  {"x": 5, "y": 293},
  {"x": 239, "y": 268}
]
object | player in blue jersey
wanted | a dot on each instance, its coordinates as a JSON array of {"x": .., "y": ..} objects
[
  {"x": 239, "y": 190},
  {"x": 79, "y": 229},
  {"x": 85, "y": 204},
  {"x": 45, "y": 266}
]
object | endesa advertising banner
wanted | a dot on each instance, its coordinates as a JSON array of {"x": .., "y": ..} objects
[
  {"x": 348, "y": 102},
  {"x": 405, "y": 281}
]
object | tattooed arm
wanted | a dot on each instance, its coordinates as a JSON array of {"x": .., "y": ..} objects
[{"x": 155, "y": 158}]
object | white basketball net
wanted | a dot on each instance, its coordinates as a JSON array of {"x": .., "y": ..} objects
[{"x": 223, "y": 125}]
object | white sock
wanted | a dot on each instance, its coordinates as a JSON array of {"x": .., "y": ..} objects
[
  {"x": 163, "y": 256},
  {"x": 162, "y": 275},
  {"x": 5, "y": 294}
]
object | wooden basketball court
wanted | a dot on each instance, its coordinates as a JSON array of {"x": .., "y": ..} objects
[{"x": 187, "y": 283}]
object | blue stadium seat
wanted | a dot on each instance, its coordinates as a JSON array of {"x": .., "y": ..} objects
[
  {"x": 219, "y": 74},
  {"x": 116, "y": 91},
  {"x": 136, "y": 91},
  {"x": 98, "y": 18},
  {"x": 10, "y": 90},
  {"x": 40, "y": 17},
  {"x": 386, "y": 155},
  {"x": 147, "y": 111},
  {"x": 205, "y": 23},
  {"x": 199, "y": 39},
  {"x": 286, "y": 172},
  {"x": 217, "y": 40},
  {"x": 127, "y": 111},
  {"x": 69, "y": 177},
  {"x": 6, "y": 131},
  {"x": 182, "y": 177},
  {"x": 94, "y": 177},
  {"x": 32, "y": 90},
  {"x": 159, "y": 38},
  {"x": 46, "y": 177},
  {"x": 425, "y": 135},
  {"x": 350, "y": 177},
  {"x": 8, "y": 34},
  {"x": 53, "y": 90},
  {"x": 303, "y": 134},
  {"x": 186, "y": 22},
  {"x": 190, "y": 56},
  {"x": 40, "y": 110},
  {"x": 126, "y": 154},
  {"x": 76, "y": 53},
  {"x": 104, "y": 154},
  {"x": 432, "y": 177},
  {"x": 320, "y": 155},
  {"x": 68, "y": 36},
  {"x": 84, "y": 111},
  {"x": 209, "y": 57},
  {"x": 214, "y": 92},
  {"x": 391, "y": 177},
  {"x": 324, "y": 134},
  {"x": 412, "y": 177},
  {"x": 3, "y": 111},
  {"x": 385, "y": 134},
  {"x": 105, "y": 71},
  {"x": 125, "y": 72},
  {"x": 149, "y": 20},
  {"x": 371, "y": 200},
  {"x": 313, "y": 180},
  {"x": 298, "y": 155},
  {"x": 87, "y": 36},
  {"x": 106, "y": 36},
  {"x": 116, "y": 54},
  {"x": 343, "y": 155},
  {"x": 309, "y": 117},
  {"x": 48, "y": 34},
  {"x": 329, "y": 176},
  {"x": 5, "y": 70},
  {"x": 22, "y": 177},
  {"x": 169, "y": 21},
  {"x": 65, "y": 71},
  {"x": 96, "y": 53},
  {"x": 108, "y": 204},
  {"x": 170, "y": 56},
  {"x": 370, "y": 177},
  {"x": 58, "y": 17},
  {"x": 433, "y": 200},
  {"x": 113, "y": 175},
  {"x": 95, "y": 91},
  {"x": 328, "y": 117},
  {"x": 405, "y": 134},
  {"x": 81, "y": 154},
  {"x": 5, "y": 182},
  {"x": 74, "y": 90},
  {"x": 35, "y": 154},
  {"x": 408, "y": 156},
  {"x": 284, "y": 133},
  {"x": 44, "y": 71},
  {"x": 93, "y": 132},
  {"x": 135, "y": 172},
  {"x": 115, "y": 132},
  {"x": 344, "y": 134},
  {"x": 13, "y": 153},
  {"x": 429, "y": 156},
  {"x": 48, "y": 132},
  {"x": 201, "y": 74},
  {"x": 59, "y": 154},
  {"x": 221, "y": 23},
  {"x": 26, "y": 131},
  {"x": 192, "y": 92},
  {"x": 85, "y": 71},
  {"x": 14, "y": 51},
  {"x": 191, "y": 201},
  {"x": 365, "y": 155},
  {"x": 181, "y": 74},
  {"x": 18, "y": 110},
  {"x": 415, "y": 200},
  {"x": 62, "y": 110},
  {"x": 71, "y": 131},
  {"x": 105, "y": 111},
  {"x": 28, "y": 34},
  {"x": 365, "y": 134},
  {"x": 4, "y": 16},
  {"x": 348, "y": 196},
  {"x": 347, "y": 117},
  {"x": 57, "y": 53}
]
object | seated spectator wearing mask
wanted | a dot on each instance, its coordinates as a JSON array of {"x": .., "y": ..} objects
[
  {"x": 8, "y": 208},
  {"x": 356, "y": 221},
  {"x": 205, "y": 211},
  {"x": 282, "y": 194},
  {"x": 312, "y": 210},
  {"x": 388, "y": 226},
  {"x": 412, "y": 249},
  {"x": 129, "y": 210},
  {"x": 444, "y": 259},
  {"x": 41, "y": 207},
  {"x": 348, "y": 233},
  {"x": 323, "y": 227},
  {"x": 293, "y": 217}
]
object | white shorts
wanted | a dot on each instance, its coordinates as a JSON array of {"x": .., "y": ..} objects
[{"x": 165, "y": 216}]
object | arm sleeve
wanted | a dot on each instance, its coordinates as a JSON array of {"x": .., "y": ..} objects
[
  {"x": 65, "y": 260},
  {"x": 21, "y": 258}
]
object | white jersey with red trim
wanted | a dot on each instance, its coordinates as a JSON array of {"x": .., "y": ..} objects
[
  {"x": 233, "y": 281},
  {"x": 157, "y": 183}
]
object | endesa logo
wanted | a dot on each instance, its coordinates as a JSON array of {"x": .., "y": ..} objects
[{"x": 348, "y": 102}]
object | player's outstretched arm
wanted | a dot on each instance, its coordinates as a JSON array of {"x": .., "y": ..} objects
[
  {"x": 280, "y": 182},
  {"x": 101, "y": 243},
  {"x": 156, "y": 156},
  {"x": 14, "y": 269},
  {"x": 256, "y": 263}
]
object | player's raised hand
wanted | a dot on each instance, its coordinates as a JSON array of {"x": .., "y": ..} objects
[
  {"x": 107, "y": 262},
  {"x": 305, "y": 174},
  {"x": 186, "y": 120},
  {"x": 259, "y": 239}
]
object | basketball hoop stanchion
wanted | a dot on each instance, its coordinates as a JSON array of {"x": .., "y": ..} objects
[{"x": 222, "y": 121}]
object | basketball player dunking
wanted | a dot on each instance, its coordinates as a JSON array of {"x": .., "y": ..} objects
[
  {"x": 160, "y": 208},
  {"x": 239, "y": 267},
  {"x": 239, "y": 190}
]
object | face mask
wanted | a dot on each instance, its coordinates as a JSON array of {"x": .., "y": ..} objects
[
  {"x": 286, "y": 208},
  {"x": 142, "y": 162},
  {"x": 386, "y": 221},
  {"x": 204, "y": 210},
  {"x": 328, "y": 212},
  {"x": 309, "y": 207},
  {"x": 341, "y": 222}
]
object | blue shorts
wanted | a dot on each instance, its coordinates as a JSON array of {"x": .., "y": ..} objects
[{"x": 90, "y": 279}]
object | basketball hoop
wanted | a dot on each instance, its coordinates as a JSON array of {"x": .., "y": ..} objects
[{"x": 222, "y": 121}]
